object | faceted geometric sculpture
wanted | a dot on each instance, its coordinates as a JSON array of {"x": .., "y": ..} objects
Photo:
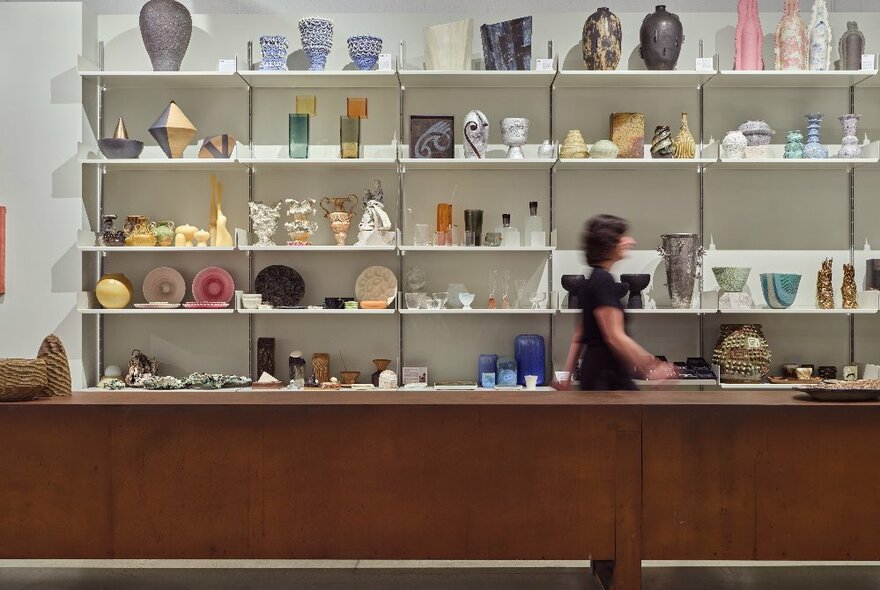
[
  {"x": 120, "y": 146},
  {"x": 173, "y": 131},
  {"x": 218, "y": 146}
]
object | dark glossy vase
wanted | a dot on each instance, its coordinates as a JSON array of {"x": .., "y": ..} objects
[
  {"x": 602, "y": 40},
  {"x": 529, "y": 352},
  {"x": 166, "y": 28},
  {"x": 636, "y": 283},
  {"x": 660, "y": 39},
  {"x": 572, "y": 284}
]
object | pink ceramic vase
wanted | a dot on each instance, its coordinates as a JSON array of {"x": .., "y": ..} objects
[
  {"x": 792, "y": 47},
  {"x": 749, "y": 38}
]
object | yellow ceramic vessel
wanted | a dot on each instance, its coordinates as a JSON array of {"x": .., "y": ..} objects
[{"x": 114, "y": 291}]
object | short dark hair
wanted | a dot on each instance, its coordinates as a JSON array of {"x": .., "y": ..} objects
[{"x": 600, "y": 237}]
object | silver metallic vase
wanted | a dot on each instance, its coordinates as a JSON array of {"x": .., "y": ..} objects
[{"x": 683, "y": 255}]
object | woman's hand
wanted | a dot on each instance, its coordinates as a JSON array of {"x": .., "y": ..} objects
[
  {"x": 563, "y": 385},
  {"x": 661, "y": 371}
]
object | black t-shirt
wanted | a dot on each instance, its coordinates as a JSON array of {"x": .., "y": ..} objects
[{"x": 598, "y": 290}]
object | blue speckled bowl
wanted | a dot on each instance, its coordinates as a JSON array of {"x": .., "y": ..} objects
[{"x": 780, "y": 289}]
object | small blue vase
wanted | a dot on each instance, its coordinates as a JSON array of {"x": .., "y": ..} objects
[
  {"x": 485, "y": 367},
  {"x": 814, "y": 148},
  {"x": 364, "y": 51},
  {"x": 529, "y": 351},
  {"x": 506, "y": 372}
]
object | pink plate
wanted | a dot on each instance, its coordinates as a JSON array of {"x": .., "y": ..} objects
[
  {"x": 205, "y": 305},
  {"x": 213, "y": 284}
]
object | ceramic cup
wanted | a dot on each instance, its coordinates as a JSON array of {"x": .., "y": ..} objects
[
  {"x": 333, "y": 303},
  {"x": 804, "y": 372},
  {"x": 531, "y": 382},
  {"x": 788, "y": 371},
  {"x": 251, "y": 300}
]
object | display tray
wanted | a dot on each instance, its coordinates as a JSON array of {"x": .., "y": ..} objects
[
  {"x": 790, "y": 381},
  {"x": 837, "y": 395}
]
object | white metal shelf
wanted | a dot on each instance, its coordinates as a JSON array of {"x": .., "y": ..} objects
[
  {"x": 476, "y": 249},
  {"x": 475, "y": 311},
  {"x": 648, "y": 163},
  {"x": 477, "y": 164},
  {"x": 475, "y": 79},
  {"x": 677, "y": 383},
  {"x": 787, "y": 79},
  {"x": 689, "y": 79},
  {"x": 324, "y": 79},
  {"x": 146, "y": 79},
  {"x": 168, "y": 164},
  {"x": 800, "y": 311},
  {"x": 658, "y": 311},
  {"x": 135, "y": 311},
  {"x": 752, "y": 386},
  {"x": 317, "y": 248},
  {"x": 352, "y": 312},
  {"x": 322, "y": 163}
]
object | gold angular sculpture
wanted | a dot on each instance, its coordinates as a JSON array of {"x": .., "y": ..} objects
[
  {"x": 824, "y": 287},
  {"x": 173, "y": 131},
  {"x": 121, "y": 132},
  {"x": 848, "y": 291}
]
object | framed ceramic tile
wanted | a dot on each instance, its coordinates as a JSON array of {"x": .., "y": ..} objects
[
  {"x": 431, "y": 136},
  {"x": 2, "y": 250}
]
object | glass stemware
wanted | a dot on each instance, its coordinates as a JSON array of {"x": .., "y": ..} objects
[
  {"x": 441, "y": 298},
  {"x": 537, "y": 298},
  {"x": 502, "y": 284},
  {"x": 493, "y": 284},
  {"x": 520, "y": 288}
]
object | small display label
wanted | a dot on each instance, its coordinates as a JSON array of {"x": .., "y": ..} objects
[
  {"x": 415, "y": 375},
  {"x": 544, "y": 65},
  {"x": 386, "y": 64},
  {"x": 869, "y": 62},
  {"x": 705, "y": 64},
  {"x": 226, "y": 66}
]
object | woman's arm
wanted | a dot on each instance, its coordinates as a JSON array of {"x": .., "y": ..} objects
[
  {"x": 574, "y": 353},
  {"x": 610, "y": 320}
]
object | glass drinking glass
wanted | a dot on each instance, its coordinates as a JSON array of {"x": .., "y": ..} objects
[
  {"x": 423, "y": 235},
  {"x": 493, "y": 285},
  {"x": 502, "y": 285},
  {"x": 441, "y": 298},
  {"x": 440, "y": 238},
  {"x": 520, "y": 287},
  {"x": 456, "y": 236},
  {"x": 431, "y": 303},
  {"x": 413, "y": 300},
  {"x": 470, "y": 238}
]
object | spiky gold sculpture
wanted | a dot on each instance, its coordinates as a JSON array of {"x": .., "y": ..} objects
[
  {"x": 824, "y": 288},
  {"x": 848, "y": 291}
]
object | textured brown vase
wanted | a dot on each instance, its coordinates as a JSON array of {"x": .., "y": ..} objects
[
  {"x": 602, "y": 39},
  {"x": 628, "y": 134},
  {"x": 166, "y": 28},
  {"x": 684, "y": 143}
]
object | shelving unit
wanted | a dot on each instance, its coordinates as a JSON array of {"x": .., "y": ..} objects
[{"x": 257, "y": 158}]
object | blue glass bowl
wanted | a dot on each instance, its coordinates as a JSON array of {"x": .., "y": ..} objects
[{"x": 780, "y": 289}]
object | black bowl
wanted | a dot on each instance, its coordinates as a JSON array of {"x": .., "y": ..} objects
[
  {"x": 120, "y": 149},
  {"x": 571, "y": 283}
]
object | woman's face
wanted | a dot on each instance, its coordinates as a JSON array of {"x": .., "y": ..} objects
[{"x": 624, "y": 245}]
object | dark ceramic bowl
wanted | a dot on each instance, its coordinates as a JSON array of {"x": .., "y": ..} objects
[{"x": 120, "y": 149}]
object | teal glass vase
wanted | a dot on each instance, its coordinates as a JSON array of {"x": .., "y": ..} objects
[{"x": 299, "y": 136}]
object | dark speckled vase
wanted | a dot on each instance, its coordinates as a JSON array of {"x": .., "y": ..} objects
[
  {"x": 602, "y": 39},
  {"x": 166, "y": 27}
]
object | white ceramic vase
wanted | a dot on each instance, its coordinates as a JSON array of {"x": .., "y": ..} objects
[{"x": 514, "y": 134}]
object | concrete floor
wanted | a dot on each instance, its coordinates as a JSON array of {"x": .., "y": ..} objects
[{"x": 272, "y": 575}]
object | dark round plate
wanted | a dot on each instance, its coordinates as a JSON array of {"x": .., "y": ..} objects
[
  {"x": 841, "y": 395},
  {"x": 280, "y": 286}
]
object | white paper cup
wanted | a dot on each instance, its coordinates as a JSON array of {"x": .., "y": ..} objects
[
  {"x": 531, "y": 381},
  {"x": 562, "y": 376}
]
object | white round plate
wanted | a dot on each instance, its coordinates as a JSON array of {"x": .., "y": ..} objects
[{"x": 376, "y": 283}]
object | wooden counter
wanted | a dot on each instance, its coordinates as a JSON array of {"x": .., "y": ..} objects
[{"x": 441, "y": 475}]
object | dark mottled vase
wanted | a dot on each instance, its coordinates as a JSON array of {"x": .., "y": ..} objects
[
  {"x": 166, "y": 27},
  {"x": 602, "y": 40},
  {"x": 852, "y": 46},
  {"x": 508, "y": 45},
  {"x": 530, "y": 357},
  {"x": 661, "y": 38},
  {"x": 265, "y": 356}
]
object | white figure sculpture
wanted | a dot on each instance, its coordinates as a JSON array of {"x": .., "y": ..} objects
[
  {"x": 476, "y": 135},
  {"x": 375, "y": 221}
]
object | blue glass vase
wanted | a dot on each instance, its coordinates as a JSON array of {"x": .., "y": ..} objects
[
  {"x": 530, "y": 356},
  {"x": 485, "y": 368},
  {"x": 506, "y": 372}
]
